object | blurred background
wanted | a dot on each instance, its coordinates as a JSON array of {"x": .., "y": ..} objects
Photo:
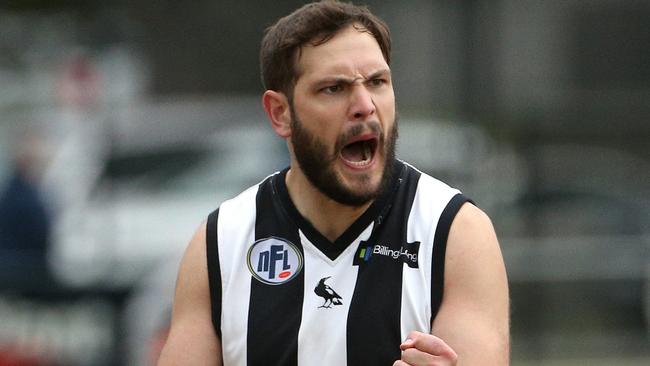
[{"x": 124, "y": 123}]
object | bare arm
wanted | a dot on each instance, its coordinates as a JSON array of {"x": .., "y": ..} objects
[
  {"x": 472, "y": 325},
  {"x": 474, "y": 315},
  {"x": 192, "y": 340}
]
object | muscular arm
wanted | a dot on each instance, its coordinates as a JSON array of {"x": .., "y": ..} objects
[
  {"x": 192, "y": 340},
  {"x": 474, "y": 315}
]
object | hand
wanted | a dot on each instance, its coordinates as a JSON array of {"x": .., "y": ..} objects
[{"x": 425, "y": 349}]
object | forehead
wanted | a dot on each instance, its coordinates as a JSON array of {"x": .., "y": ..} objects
[{"x": 351, "y": 52}]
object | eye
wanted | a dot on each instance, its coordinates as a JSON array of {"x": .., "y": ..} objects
[
  {"x": 332, "y": 89},
  {"x": 377, "y": 82}
]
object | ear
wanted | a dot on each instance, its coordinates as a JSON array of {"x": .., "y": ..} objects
[{"x": 277, "y": 109}]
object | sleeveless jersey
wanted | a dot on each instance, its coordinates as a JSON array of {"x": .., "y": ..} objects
[{"x": 283, "y": 294}]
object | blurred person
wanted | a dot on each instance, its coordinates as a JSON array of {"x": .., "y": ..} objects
[
  {"x": 25, "y": 220},
  {"x": 344, "y": 256}
]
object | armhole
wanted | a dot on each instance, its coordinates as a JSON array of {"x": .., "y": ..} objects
[
  {"x": 214, "y": 269},
  {"x": 439, "y": 250}
]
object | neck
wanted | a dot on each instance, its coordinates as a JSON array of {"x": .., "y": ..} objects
[{"x": 329, "y": 217}]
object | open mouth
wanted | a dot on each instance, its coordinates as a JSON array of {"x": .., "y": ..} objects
[{"x": 360, "y": 153}]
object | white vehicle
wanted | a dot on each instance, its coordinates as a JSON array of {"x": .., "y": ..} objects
[{"x": 145, "y": 206}]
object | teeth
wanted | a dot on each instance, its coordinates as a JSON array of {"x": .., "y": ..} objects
[{"x": 359, "y": 163}]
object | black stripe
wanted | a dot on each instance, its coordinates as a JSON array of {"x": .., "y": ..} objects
[
  {"x": 275, "y": 311},
  {"x": 439, "y": 250},
  {"x": 373, "y": 329},
  {"x": 214, "y": 269}
]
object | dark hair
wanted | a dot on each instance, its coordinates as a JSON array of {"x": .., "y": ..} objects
[{"x": 315, "y": 23}]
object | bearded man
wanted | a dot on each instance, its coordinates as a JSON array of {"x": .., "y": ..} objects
[{"x": 414, "y": 271}]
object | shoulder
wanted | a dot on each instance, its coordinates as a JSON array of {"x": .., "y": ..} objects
[
  {"x": 249, "y": 195},
  {"x": 193, "y": 268},
  {"x": 426, "y": 183},
  {"x": 472, "y": 240},
  {"x": 471, "y": 221},
  {"x": 474, "y": 263},
  {"x": 431, "y": 192}
]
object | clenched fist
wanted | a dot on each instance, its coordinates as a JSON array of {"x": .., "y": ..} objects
[{"x": 421, "y": 349}]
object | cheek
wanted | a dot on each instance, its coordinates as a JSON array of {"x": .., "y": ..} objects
[
  {"x": 385, "y": 105},
  {"x": 386, "y": 102},
  {"x": 321, "y": 124}
]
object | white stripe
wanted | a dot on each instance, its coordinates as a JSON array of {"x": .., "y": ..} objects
[
  {"x": 236, "y": 225},
  {"x": 430, "y": 200}
]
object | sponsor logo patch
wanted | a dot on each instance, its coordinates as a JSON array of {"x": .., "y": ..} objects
[
  {"x": 274, "y": 261},
  {"x": 407, "y": 253}
]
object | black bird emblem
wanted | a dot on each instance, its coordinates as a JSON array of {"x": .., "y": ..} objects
[{"x": 327, "y": 293}]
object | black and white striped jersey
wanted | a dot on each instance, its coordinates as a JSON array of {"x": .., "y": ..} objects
[{"x": 283, "y": 294}]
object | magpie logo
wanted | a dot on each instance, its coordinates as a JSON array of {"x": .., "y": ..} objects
[
  {"x": 274, "y": 261},
  {"x": 407, "y": 253},
  {"x": 331, "y": 297}
]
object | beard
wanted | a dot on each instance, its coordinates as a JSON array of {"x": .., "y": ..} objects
[{"x": 318, "y": 164}]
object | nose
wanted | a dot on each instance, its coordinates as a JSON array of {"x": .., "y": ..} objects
[{"x": 362, "y": 104}]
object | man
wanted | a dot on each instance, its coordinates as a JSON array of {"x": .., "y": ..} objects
[{"x": 344, "y": 257}]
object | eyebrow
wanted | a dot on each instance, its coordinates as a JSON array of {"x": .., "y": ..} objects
[
  {"x": 349, "y": 80},
  {"x": 382, "y": 72}
]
